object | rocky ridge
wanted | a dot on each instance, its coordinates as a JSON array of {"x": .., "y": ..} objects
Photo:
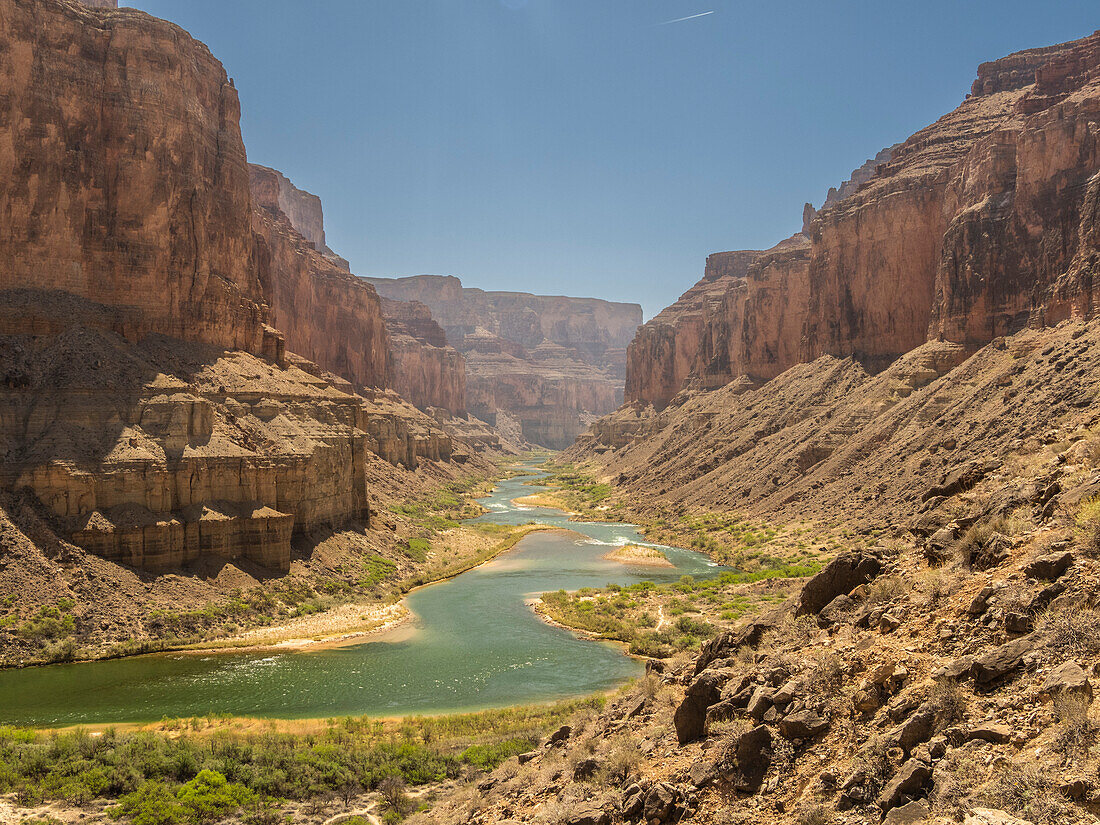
[{"x": 975, "y": 227}]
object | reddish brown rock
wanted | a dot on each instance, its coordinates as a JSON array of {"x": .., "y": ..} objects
[
  {"x": 983, "y": 223},
  {"x": 327, "y": 314},
  {"x": 129, "y": 193},
  {"x": 552, "y": 363},
  {"x": 427, "y": 372}
]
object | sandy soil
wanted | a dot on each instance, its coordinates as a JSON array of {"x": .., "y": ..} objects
[
  {"x": 542, "y": 500},
  {"x": 634, "y": 555}
]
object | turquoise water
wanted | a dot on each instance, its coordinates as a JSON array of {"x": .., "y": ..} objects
[{"x": 475, "y": 645}]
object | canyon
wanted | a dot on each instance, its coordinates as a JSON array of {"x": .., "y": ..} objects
[
  {"x": 977, "y": 226},
  {"x": 881, "y": 436},
  {"x": 551, "y": 363}
]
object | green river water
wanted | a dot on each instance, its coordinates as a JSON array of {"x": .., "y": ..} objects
[{"x": 475, "y": 645}]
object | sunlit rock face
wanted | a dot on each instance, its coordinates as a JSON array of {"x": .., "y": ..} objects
[
  {"x": 974, "y": 227},
  {"x": 551, "y": 362}
]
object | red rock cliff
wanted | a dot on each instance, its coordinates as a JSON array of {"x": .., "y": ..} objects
[
  {"x": 427, "y": 372},
  {"x": 130, "y": 193},
  {"x": 551, "y": 362},
  {"x": 327, "y": 314},
  {"x": 980, "y": 224}
]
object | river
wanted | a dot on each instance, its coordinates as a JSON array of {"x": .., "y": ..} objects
[{"x": 475, "y": 644}]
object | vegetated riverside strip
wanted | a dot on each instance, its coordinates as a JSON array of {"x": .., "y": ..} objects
[{"x": 199, "y": 770}]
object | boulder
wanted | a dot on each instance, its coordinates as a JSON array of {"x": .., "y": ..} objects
[
  {"x": 839, "y": 577},
  {"x": 914, "y": 730},
  {"x": 659, "y": 802},
  {"x": 911, "y": 778},
  {"x": 753, "y": 753},
  {"x": 725, "y": 644},
  {"x": 915, "y": 811},
  {"x": 586, "y": 769},
  {"x": 1068, "y": 678},
  {"x": 987, "y": 816},
  {"x": 836, "y": 611},
  {"x": 997, "y": 734},
  {"x": 1049, "y": 567},
  {"x": 560, "y": 736},
  {"x": 690, "y": 718},
  {"x": 999, "y": 662},
  {"x": 804, "y": 724},
  {"x": 588, "y": 814}
]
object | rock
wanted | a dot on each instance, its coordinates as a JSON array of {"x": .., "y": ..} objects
[
  {"x": 659, "y": 802},
  {"x": 727, "y": 643},
  {"x": 986, "y": 816},
  {"x": 633, "y": 802},
  {"x": 1049, "y": 567},
  {"x": 561, "y": 735},
  {"x": 997, "y": 734},
  {"x": 804, "y": 724},
  {"x": 912, "y": 812},
  {"x": 690, "y": 717},
  {"x": 588, "y": 814},
  {"x": 911, "y": 778},
  {"x": 914, "y": 730},
  {"x": 1068, "y": 678},
  {"x": 759, "y": 703},
  {"x": 836, "y": 611},
  {"x": 999, "y": 662},
  {"x": 961, "y": 479},
  {"x": 586, "y": 769},
  {"x": 701, "y": 773},
  {"x": 524, "y": 758},
  {"x": 1076, "y": 790},
  {"x": 960, "y": 668},
  {"x": 752, "y": 756},
  {"x": 839, "y": 577}
]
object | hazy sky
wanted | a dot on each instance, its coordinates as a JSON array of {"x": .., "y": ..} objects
[{"x": 586, "y": 147}]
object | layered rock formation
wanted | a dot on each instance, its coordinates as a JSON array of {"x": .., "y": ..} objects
[
  {"x": 147, "y": 402},
  {"x": 978, "y": 225},
  {"x": 427, "y": 372},
  {"x": 327, "y": 314},
  {"x": 131, "y": 194},
  {"x": 551, "y": 362}
]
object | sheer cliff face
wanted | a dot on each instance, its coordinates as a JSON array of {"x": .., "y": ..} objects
[
  {"x": 976, "y": 226},
  {"x": 326, "y": 314},
  {"x": 549, "y": 361},
  {"x": 130, "y": 193},
  {"x": 144, "y": 397},
  {"x": 427, "y": 372}
]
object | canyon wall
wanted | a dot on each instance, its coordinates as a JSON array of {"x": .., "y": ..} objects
[
  {"x": 427, "y": 372},
  {"x": 147, "y": 401},
  {"x": 551, "y": 362},
  {"x": 979, "y": 225},
  {"x": 326, "y": 314},
  {"x": 130, "y": 193}
]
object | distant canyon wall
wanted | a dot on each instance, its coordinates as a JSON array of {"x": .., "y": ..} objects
[
  {"x": 976, "y": 226},
  {"x": 551, "y": 362}
]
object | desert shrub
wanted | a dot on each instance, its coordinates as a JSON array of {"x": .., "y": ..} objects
[
  {"x": 1072, "y": 630},
  {"x": 886, "y": 589},
  {"x": 1076, "y": 731},
  {"x": 623, "y": 759},
  {"x": 151, "y": 804},
  {"x": 392, "y": 789},
  {"x": 1016, "y": 788},
  {"x": 969, "y": 549},
  {"x": 1088, "y": 526},
  {"x": 948, "y": 703},
  {"x": 814, "y": 814}
]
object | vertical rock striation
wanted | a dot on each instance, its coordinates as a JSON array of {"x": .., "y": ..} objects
[
  {"x": 974, "y": 227},
  {"x": 551, "y": 362}
]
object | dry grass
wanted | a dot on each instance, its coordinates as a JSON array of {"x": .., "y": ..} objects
[
  {"x": 1077, "y": 733},
  {"x": 1014, "y": 787},
  {"x": 949, "y": 703},
  {"x": 1072, "y": 630}
]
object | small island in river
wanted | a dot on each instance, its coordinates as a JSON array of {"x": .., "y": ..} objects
[{"x": 636, "y": 554}]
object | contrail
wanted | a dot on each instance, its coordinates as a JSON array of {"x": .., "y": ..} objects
[{"x": 682, "y": 19}]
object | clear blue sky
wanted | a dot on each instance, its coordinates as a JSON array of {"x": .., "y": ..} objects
[{"x": 578, "y": 146}]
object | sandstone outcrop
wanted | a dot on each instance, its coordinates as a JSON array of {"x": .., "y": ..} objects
[
  {"x": 147, "y": 401},
  {"x": 975, "y": 227},
  {"x": 326, "y": 314},
  {"x": 552, "y": 363},
  {"x": 128, "y": 193}
]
